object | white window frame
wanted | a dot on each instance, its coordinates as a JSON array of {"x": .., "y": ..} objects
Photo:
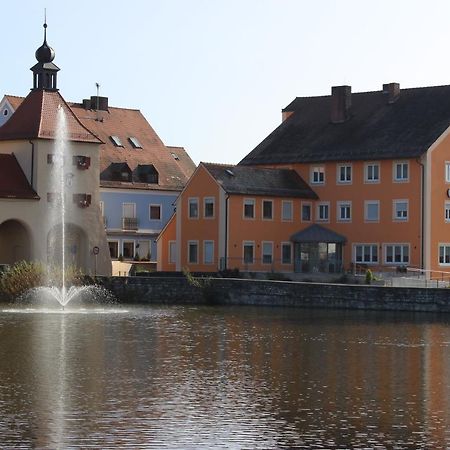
[
  {"x": 367, "y": 203},
  {"x": 193, "y": 200},
  {"x": 396, "y": 202},
  {"x": 310, "y": 212},
  {"x": 208, "y": 242},
  {"x": 248, "y": 201},
  {"x": 265, "y": 200},
  {"x": 443, "y": 245},
  {"x": 320, "y": 178},
  {"x": 116, "y": 241},
  {"x": 211, "y": 200},
  {"x": 286, "y": 244},
  {"x": 318, "y": 218},
  {"x": 124, "y": 205},
  {"x": 394, "y": 174},
  {"x": 150, "y": 214},
  {"x": 189, "y": 243},
  {"x": 269, "y": 244},
  {"x": 341, "y": 204},
  {"x": 124, "y": 241},
  {"x": 447, "y": 211},
  {"x": 447, "y": 172},
  {"x": 245, "y": 244},
  {"x": 393, "y": 245},
  {"x": 172, "y": 257},
  {"x": 291, "y": 216},
  {"x": 348, "y": 169},
  {"x": 367, "y": 180},
  {"x": 366, "y": 244}
]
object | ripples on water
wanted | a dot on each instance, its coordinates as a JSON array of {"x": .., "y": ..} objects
[{"x": 192, "y": 378}]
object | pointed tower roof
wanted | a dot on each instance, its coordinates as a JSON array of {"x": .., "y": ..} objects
[{"x": 35, "y": 118}]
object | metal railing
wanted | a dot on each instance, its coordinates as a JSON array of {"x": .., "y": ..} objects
[{"x": 129, "y": 223}]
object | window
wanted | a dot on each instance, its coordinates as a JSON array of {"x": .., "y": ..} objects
[
  {"x": 323, "y": 212},
  {"x": 128, "y": 249},
  {"x": 447, "y": 172},
  {"x": 372, "y": 173},
  {"x": 400, "y": 210},
  {"x": 318, "y": 175},
  {"x": 249, "y": 250},
  {"x": 50, "y": 158},
  {"x": 116, "y": 141},
  {"x": 447, "y": 211},
  {"x": 129, "y": 210},
  {"x": 208, "y": 207},
  {"x": 401, "y": 171},
  {"x": 193, "y": 208},
  {"x": 286, "y": 253},
  {"x": 267, "y": 252},
  {"x": 249, "y": 208},
  {"x": 344, "y": 173},
  {"x": 5, "y": 112},
  {"x": 372, "y": 211},
  {"x": 306, "y": 212},
  {"x": 366, "y": 253},
  {"x": 114, "y": 249},
  {"x": 444, "y": 254},
  {"x": 344, "y": 211},
  {"x": 175, "y": 156},
  {"x": 155, "y": 212},
  {"x": 286, "y": 210},
  {"x": 208, "y": 252},
  {"x": 172, "y": 252},
  {"x": 267, "y": 209},
  {"x": 134, "y": 142},
  {"x": 193, "y": 252},
  {"x": 396, "y": 253}
]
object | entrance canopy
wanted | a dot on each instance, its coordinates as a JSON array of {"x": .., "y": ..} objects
[{"x": 318, "y": 233}]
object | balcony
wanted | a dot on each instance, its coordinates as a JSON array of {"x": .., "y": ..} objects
[{"x": 129, "y": 223}]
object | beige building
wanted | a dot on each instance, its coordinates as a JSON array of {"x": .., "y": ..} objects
[{"x": 28, "y": 200}]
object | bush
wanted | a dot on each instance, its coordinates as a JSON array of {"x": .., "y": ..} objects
[
  {"x": 369, "y": 276},
  {"x": 25, "y": 275}
]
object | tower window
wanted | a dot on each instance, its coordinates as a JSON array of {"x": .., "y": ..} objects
[
  {"x": 5, "y": 112},
  {"x": 135, "y": 142}
]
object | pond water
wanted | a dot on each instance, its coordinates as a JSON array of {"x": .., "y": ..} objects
[{"x": 223, "y": 377}]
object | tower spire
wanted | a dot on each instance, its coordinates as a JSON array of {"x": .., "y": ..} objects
[{"x": 44, "y": 72}]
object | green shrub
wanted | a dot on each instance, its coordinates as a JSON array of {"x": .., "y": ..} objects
[{"x": 369, "y": 276}]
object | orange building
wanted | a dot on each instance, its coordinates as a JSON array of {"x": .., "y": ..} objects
[{"x": 372, "y": 189}]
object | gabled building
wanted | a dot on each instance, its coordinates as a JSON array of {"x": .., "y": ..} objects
[
  {"x": 27, "y": 196},
  {"x": 379, "y": 164},
  {"x": 140, "y": 178}
]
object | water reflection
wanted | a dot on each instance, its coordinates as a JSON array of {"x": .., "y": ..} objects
[{"x": 187, "y": 377}]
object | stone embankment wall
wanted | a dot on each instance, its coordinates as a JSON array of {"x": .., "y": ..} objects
[{"x": 223, "y": 291}]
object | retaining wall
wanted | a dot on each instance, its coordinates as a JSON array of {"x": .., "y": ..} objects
[{"x": 225, "y": 291}]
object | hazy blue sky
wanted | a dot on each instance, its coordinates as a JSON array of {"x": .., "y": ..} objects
[{"x": 213, "y": 75}]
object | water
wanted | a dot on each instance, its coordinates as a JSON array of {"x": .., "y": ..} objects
[{"x": 241, "y": 377}]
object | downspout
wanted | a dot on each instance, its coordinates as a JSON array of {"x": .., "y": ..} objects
[
  {"x": 226, "y": 233},
  {"x": 422, "y": 218},
  {"x": 32, "y": 165}
]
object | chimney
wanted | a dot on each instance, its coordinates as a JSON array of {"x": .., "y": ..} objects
[
  {"x": 341, "y": 102},
  {"x": 99, "y": 103},
  {"x": 86, "y": 103},
  {"x": 392, "y": 91}
]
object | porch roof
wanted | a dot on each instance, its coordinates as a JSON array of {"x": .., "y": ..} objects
[{"x": 318, "y": 233}]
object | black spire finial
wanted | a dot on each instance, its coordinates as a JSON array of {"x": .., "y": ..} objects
[{"x": 45, "y": 53}]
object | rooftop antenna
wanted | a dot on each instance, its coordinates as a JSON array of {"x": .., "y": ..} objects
[{"x": 97, "y": 85}]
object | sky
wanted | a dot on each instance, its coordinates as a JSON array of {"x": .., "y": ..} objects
[{"x": 213, "y": 75}]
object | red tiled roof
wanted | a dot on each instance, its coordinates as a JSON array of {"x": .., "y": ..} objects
[
  {"x": 14, "y": 101},
  {"x": 13, "y": 182},
  {"x": 35, "y": 117},
  {"x": 126, "y": 123}
]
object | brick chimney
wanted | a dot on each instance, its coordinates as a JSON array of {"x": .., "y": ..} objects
[
  {"x": 392, "y": 92},
  {"x": 341, "y": 102}
]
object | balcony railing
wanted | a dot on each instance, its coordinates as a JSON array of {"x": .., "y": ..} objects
[{"x": 129, "y": 223}]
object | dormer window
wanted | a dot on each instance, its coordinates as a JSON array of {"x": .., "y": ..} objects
[
  {"x": 116, "y": 141},
  {"x": 134, "y": 142},
  {"x": 117, "y": 172},
  {"x": 146, "y": 173},
  {"x": 5, "y": 112}
]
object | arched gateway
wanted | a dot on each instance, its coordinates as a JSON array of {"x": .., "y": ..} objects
[{"x": 15, "y": 242}]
